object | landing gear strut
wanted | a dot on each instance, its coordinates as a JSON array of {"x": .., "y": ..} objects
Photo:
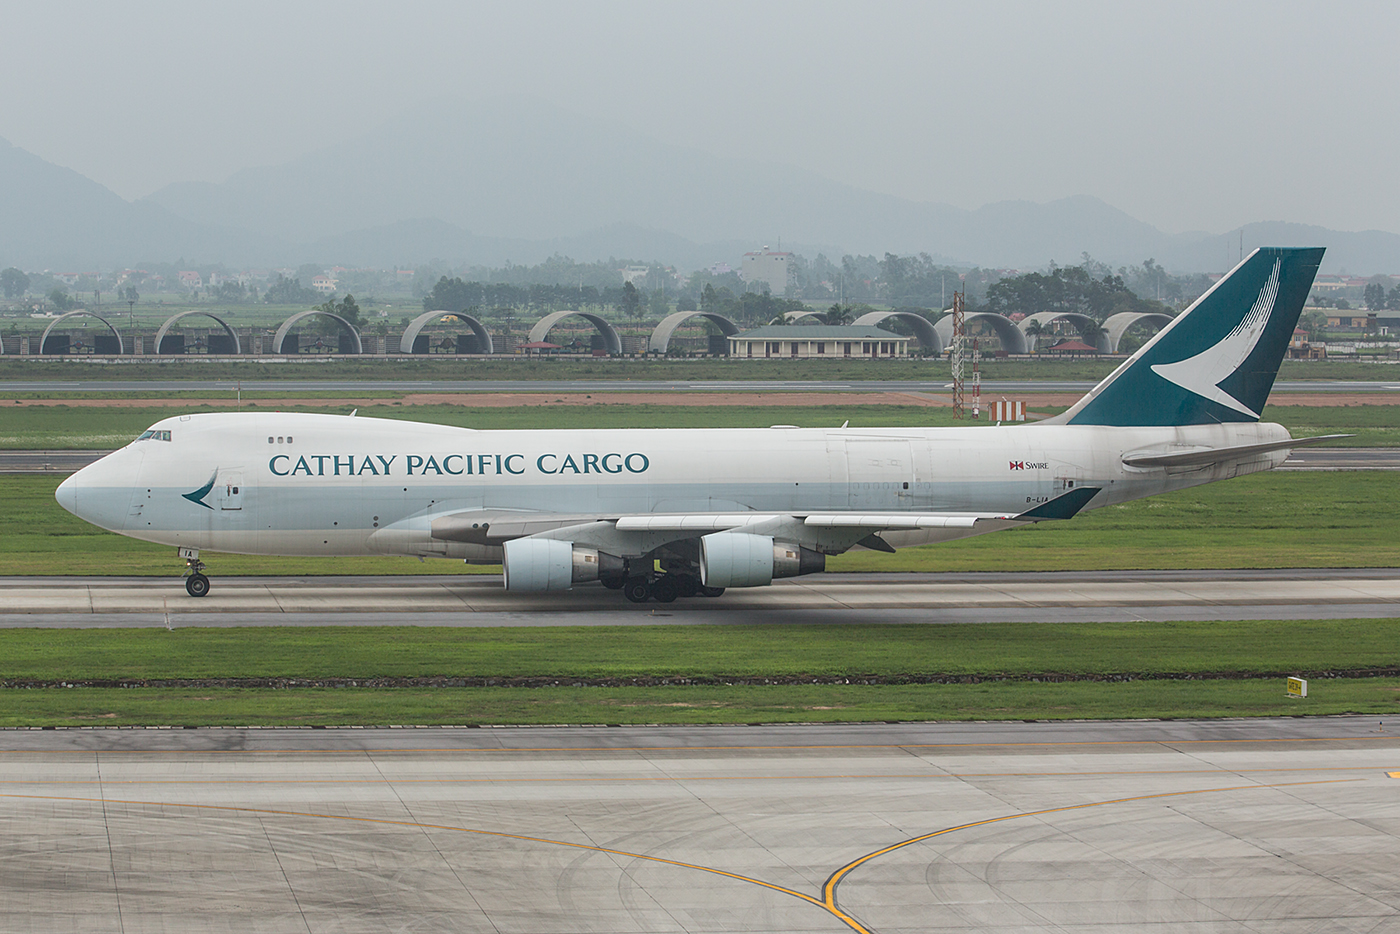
[{"x": 196, "y": 583}]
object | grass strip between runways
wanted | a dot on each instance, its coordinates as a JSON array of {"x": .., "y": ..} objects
[
  {"x": 1013, "y": 700},
  {"x": 607, "y": 655},
  {"x": 673, "y": 674}
]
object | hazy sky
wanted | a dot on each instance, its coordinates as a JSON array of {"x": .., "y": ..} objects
[{"x": 1191, "y": 116}]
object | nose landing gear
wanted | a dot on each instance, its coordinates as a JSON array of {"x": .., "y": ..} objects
[{"x": 196, "y": 583}]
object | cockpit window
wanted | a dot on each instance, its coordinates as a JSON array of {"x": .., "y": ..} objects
[{"x": 151, "y": 434}]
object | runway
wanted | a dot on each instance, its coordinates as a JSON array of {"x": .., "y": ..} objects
[
  {"x": 1260, "y": 825},
  {"x": 614, "y": 385},
  {"x": 66, "y": 462},
  {"x": 836, "y": 599}
]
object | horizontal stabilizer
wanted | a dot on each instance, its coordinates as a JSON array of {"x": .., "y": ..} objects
[
  {"x": 1064, "y": 506},
  {"x": 1208, "y": 456}
]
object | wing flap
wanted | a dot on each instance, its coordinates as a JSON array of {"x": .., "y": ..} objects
[
  {"x": 702, "y": 522},
  {"x": 897, "y": 520}
]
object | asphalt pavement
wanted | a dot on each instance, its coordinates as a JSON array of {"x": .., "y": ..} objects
[{"x": 833, "y": 599}]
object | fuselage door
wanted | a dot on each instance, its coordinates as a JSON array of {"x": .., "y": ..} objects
[
  {"x": 229, "y": 490},
  {"x": 879, "y": 473}
]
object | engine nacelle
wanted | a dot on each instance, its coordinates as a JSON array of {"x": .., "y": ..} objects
[
  {"x": 534, "y": 564},
  {"x": 739, "y": 559}
]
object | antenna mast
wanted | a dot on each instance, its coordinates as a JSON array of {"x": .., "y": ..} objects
[{"x": 955, "y": 355}]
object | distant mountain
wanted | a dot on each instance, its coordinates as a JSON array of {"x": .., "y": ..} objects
[
  {"x": 54, "y": 218},
  {"x": 1361, "y": 253},
  {"x": 482, "y": 183},
  {"x": 421, "y": 239},
  {"x": 518, "y": 171}
]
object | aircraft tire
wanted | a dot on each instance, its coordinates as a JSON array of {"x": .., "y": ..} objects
[
  {"x": 612, "y": 583},
  {"x": 689, "y": 586},
  {"x": 665, "y": 589},
  {"x": 711, "y": 591},
  {"x": 197, "y": 585},
  {"x": 637, "y": 589}
]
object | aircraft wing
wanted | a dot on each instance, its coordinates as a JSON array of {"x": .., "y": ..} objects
[
  {"x": 1064, "y": 506},
  {"x": 1204, "y": 457},
  {"x": 488, "y": 526}
]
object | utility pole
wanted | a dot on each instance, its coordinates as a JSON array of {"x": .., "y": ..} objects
[
  {"x": 976, "y": 380},
  {"x": 955, "y": 355}
]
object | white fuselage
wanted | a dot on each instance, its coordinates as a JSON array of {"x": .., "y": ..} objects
[{"x": 299, "y": 484}]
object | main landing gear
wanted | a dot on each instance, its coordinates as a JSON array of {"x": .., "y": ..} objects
[
  {"x": 196, "y": 583},
  {"x": 665, "y": 588}
]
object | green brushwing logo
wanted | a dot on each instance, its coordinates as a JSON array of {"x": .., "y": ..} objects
[{"x": 197, "y": 496}]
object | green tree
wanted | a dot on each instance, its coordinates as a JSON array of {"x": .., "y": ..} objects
[
  {"x": 658, "y": 304},
  {"x": 1034, "y": 330},
  {"x": 1375, "y": 296},
  {"x": 1392, "y": 300},
  {"x": 839, "y": 314},
  {"x": 346, "y": 309},
  {"x": 289, "y": 292},
  {"x": 631, "y": 301},
  {"x": 1091, "y": 332},
  {"x": 129, "y": 294},
  {"x": 230, "y": 292},
  {"x": 13, "y": 281},
  {"x": 60, "y": 300}
]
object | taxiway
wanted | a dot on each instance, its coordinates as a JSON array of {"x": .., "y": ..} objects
[
  {"x": 1261, "y": 825},
  {"x": 844, "y": 599}
]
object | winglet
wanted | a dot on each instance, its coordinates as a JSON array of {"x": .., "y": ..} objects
[{"x": 1064, "y": 506}]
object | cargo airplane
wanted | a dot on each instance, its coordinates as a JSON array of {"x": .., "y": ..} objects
[{"x": 662, "y": 513}]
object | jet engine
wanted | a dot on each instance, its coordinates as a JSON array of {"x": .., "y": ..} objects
[
  {"x": 739, "y": 559},
  {"x": 533, "y": 564}
]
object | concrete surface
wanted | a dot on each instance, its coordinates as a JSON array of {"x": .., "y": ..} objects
[
  {"x": 834, "y": 598},
  {"x": 1260, "y": 826}
]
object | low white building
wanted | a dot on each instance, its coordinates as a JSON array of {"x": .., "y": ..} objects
[{"x": 819, "y": 341}]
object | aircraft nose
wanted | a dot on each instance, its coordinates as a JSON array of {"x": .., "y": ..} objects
[{"x": 67, "y": 494}]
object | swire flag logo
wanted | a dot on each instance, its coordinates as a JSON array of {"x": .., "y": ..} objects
[{"x": 1018, "y": 465}]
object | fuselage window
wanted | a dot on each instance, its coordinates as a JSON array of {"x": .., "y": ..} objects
[
  {"x": 289, "y": 439},
  {"x": 269, "y": 439},
  {"x": 279, "y": 440}
]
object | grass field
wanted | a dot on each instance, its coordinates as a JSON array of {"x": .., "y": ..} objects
[
  {"x": 1344, "y": 519},
  {"x": 509, "y": 367},
  {"x": 65, "y": 427},
  {"x": 890, "y": 653},
  {"x": 1160, "y": 657},
  {"x": 786, "y": 704}
]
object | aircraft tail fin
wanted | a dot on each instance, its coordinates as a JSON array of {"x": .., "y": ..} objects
[{"x": 1216, "y": 362}]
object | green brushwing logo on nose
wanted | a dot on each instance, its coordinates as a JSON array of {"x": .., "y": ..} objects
[{"x": 197, "y": 496}]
